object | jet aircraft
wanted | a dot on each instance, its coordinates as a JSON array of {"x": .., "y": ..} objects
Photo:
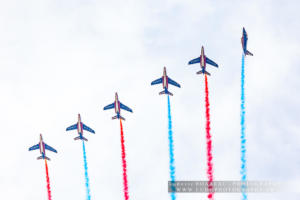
[
  {"x": 80, "y": 127},
  {"x": 43, "y": 147},
  {"x": 117, "y": 105},
  {"x": 203, "y": 60},
  {"x": 244, "y": 40},
  {"x": 165, "y": 80}
]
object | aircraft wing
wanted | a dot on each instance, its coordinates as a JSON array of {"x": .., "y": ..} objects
[
  {"x": 110, "y": 106},
  {"x": 50, "y": 148},
  {"x": 209, "y": 61},
  {"x": 85, "y": 127},
  {"x": 173, "y": 82},
  {"x": 196, "y": 60},
  {"x": 157, "y": 81},
  {"x": 34, "y": 147},
  {"x": 73, "y": 127},
  {"x": 122, "y": 106}
]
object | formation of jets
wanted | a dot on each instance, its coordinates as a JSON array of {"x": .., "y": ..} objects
[{"x": 117, "y": 105}]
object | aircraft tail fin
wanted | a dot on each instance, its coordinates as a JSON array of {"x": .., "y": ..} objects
[
  {"x": 165, "y": 92},
  {"x": 41, "y": 157},
  {"x": 200, "y": 72},
  {"x": 81, "y": 138},
  {"x": 116, "y": 117},
  {"x": 249, "y": 53}
]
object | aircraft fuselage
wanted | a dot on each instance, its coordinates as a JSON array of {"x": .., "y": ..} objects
[
  {"x": 117, "y": 104},
  {"x": 42, "y": 146},
  {"x": 165, "y": 79}
]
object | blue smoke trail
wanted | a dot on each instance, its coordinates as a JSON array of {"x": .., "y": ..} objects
[
  {"x": 243, "y": 136},
  {"x": 171, "y": 151},
  {"x": 87, "y": 182}
]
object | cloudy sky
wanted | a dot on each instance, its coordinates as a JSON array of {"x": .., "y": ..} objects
[{"x": 59, "y": 58}]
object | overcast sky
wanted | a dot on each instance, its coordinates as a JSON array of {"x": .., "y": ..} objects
[{"x": 59, "y": 58}]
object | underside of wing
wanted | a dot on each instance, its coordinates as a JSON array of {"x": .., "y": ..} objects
[
  {"x": 157, "y": 81},
  {"x": 196, "y": 60},
  {"x": 50, "y": 148},
  {"x": 73, "y": 127},
  {"x": 34, "y": 147},
  {"x": 209, "y": 61},
  {"x": 170, "y": 81},
  {"x": 122, "y": 106},
  {"x": 110, "y": 106},
  {"x": 85, "y": 127}
]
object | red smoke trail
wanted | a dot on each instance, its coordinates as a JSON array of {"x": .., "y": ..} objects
[
  {"x": 208, "y": 143},
  {"x": 48, "y": 180},
  {"x": 126, "y": 195}
]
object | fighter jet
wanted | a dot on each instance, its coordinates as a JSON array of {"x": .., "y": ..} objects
[
  {"x": 203, "y": 60},
  {"x": 165, "y": 80},
  {"x": 244, "y": 43},
  {"x": 80, "y": 127},
  {"x": 42, "y": 146},
  {"x": 117, "y": 105}
]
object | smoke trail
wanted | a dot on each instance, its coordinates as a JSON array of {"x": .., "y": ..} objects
[
  {"x": 125, "y": 182},
  {"x": 171, "y": 150},
  {"x": 87, "y": 181},
  {"x": 243, "y": 136},
  {"x": 208, "y": 142},
  {"x": 48, "y": 181}
]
